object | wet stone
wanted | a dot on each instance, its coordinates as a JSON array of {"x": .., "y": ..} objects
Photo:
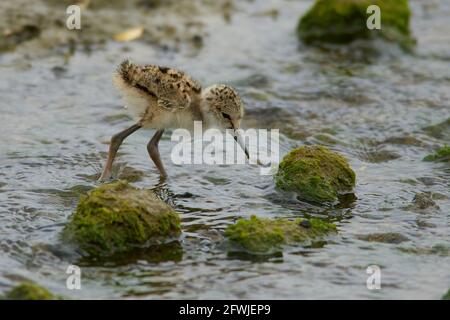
[
  {"x": 117, "y": 217},
  {"x": 424, "y": 200},
  {"x": 305, "y": 224},
  {"x": 337, "y": 21},
  {"x": 316, "y": 174},
  {"x": 266, "y": 236},
  {"x": 28, "y": 291},
  {"x": 389, "y": 237}
]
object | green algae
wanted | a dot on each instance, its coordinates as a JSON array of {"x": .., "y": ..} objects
[
  {"x": 446, "y": 296},
  {"x": 130, "y": 174},
  {"x": 28, "y": 291},
  {"x": 441, "y": 155},
  {"x": 343, "y": 21},
  {"x": 117, "y": 217},
  {"x": 315, "y": 173},
  {"x": 264, "y": 236}
]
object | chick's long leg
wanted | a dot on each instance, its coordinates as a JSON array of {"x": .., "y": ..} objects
[
  {"x": 116, "y": 141},
  {"x": 153, "y": 151}
]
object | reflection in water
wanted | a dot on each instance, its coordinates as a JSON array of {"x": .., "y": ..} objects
[
  {"x": 172, "y": 251},
  {"x": 273, "y": 257}
]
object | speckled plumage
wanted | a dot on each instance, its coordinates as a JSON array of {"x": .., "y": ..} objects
[
  {"x": 161, "y": 97},
  {"x": 172, "y": 88},
  {"x": 224, "y": 99}
]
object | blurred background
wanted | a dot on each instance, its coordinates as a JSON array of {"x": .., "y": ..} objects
[{"x": 382, "y": 101}]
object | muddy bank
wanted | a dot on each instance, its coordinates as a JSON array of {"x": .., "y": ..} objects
[{"x": 41, "y": 28}]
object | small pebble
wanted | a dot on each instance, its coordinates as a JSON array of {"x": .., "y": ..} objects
[{"x": 305, "y": 224}]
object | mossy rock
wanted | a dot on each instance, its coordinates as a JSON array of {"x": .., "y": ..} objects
[
  {"x": 315, "y": 173},
  {"x": 441, "y": 155},
  {"x": 117, "y": 217},
  {"x": 446, "y": 296},
  {"x": 343, "y": 21},
  {"x": 266, "y": 236},
  {"x": 28, "y": 291}
]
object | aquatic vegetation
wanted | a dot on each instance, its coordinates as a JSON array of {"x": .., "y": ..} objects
[
  {"x": 130, "y": 174},
  {"x": 28, "y": 291},
  {"x": 116, "y": 217},
  {"x": 441, "y": 155},
  {"x": 388, "y": 237},
  {"x": 315, "y": 173},
  {"x": 446, "y": 296},
  {"x": 343, "y": 21},
  {"x": 264, "y": 236}
]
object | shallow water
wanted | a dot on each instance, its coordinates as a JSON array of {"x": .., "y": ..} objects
[{"x": 57, "y": 117}]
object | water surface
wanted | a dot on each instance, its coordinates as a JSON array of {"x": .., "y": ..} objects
[{"x": 57, "y": 115}]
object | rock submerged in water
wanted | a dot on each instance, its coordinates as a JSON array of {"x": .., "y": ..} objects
[
  {"x": 437, "y": 249},
  {"x": 440, "y": 130},
  {"x": 266, "y": 236},
  {"x": 388, "y": 237},
  {"x": 423, "y": 202},
  {"x": 117, "y": 217},
  {"x": 315, "y": 173},
  {"x": 343, "y": 21},
  {"x": 28, "y": 291}
]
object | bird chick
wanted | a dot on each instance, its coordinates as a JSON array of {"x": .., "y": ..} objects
[{"x": 164, "y": 98}]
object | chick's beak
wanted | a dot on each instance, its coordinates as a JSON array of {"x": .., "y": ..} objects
[{"x": 240, "y": 142}]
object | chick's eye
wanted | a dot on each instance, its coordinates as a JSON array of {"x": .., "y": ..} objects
[{"x": 226, "y": 116}]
